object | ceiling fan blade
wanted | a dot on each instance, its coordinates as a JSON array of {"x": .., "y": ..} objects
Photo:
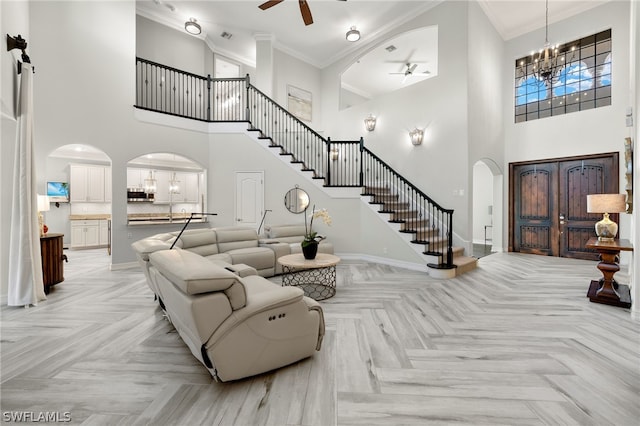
[
  {"x": 306, "y": 12},
  {"x": 411, "y": 68},
  {"x": 266, "y": 5}
]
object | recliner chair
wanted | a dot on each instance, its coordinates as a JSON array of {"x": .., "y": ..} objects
[{"x": 236, "y": 326}]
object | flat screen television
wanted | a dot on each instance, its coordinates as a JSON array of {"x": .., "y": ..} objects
[{"x": 58, "y": 192}]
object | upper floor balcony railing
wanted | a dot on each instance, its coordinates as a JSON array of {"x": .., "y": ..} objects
[{"x": 339, "y": 163}]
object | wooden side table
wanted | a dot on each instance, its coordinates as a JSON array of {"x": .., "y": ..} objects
[
  {"x": 606, "y": 290},
  {"x": 51, "y": 247}
]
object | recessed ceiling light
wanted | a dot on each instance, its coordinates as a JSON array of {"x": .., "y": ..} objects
[
  {"x": 192, "y": 26},
  {"x": 353, "y": 34},
  {"x": 390, "y": 48}
]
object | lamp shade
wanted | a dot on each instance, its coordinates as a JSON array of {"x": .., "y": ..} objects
[
  {"x": 43, "y": 203},
  {"x": 606, "y": 229},
  {"x": 606, "y": 203}
]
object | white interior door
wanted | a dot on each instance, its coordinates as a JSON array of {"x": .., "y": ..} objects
[{"x": 249, "y": 198}]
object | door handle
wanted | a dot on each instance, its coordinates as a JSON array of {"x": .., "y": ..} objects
[{"x": 561, "y": 219}]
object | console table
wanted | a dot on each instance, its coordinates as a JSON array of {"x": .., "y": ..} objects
[
  {"x": 317, "y": 277},
  {"x": 52, "y": 257},
  {"x": 606, "y": 290}
]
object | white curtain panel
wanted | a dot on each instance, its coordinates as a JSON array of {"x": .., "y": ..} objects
[{"x": 25, "y": 263}]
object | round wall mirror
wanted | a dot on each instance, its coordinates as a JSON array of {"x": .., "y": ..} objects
[{"x": 296, "y": 200}]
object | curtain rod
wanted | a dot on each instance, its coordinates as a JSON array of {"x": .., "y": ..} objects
[{"x": 18, "y": 43}]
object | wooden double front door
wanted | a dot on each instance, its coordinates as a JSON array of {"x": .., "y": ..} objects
[{"x": 548, "y": 203}]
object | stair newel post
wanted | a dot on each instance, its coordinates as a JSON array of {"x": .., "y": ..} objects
[
  {"x": 248, "y": 109},
  {"x": 450, "y": 240},
  {"x": 328, "y": 161},
  {"x": 361, "y": 182},
  {"x": 209, "y": 80}
]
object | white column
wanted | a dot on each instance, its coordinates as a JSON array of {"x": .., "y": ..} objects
[{"x": 264, "y": 63}]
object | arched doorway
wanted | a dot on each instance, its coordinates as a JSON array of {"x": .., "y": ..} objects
[
  {"x": 84, "y": 214},
  {"x": 487, "y": 207}
]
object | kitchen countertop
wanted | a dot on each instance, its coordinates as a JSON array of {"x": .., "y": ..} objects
[
  {"x": 99, "y": 216},
  {"x": 160, "y": 218}
]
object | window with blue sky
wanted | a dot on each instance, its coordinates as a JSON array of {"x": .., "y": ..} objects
[{"x": 581, "y": 79}]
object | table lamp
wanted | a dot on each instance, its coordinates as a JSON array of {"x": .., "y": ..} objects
[
  {"x": 606, "y": 229},
  {"x": 43, "y": 206}
]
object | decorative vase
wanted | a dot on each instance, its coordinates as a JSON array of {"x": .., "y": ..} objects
[{"x": 310, "y": 249}]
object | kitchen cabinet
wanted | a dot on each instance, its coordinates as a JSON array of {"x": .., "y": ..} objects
[
  {"x": 87, "y": 183},
  {"x": 188, "y": 192},
  {"x": 189, "y": 188},
  {"x": 103, "y": 237},
  {"x": 85, "y": 233},
  {"x": 107, "y": 184},
  {"x": 136, "y": 177},
  {"x": 162, "y": 187}
]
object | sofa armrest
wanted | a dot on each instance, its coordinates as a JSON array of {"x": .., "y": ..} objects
[
  {"x": 258, "y": 303},
  {"x": 279, "y": 249},
  {"x": 147, "y": 246}
]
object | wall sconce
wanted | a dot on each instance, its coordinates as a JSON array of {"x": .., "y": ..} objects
[
  {"x": 335, "y": 153},
  {"x": 192, "y": 26},
  {"x": 416, "y": 136},
  {"x": 370, "y": 122}
]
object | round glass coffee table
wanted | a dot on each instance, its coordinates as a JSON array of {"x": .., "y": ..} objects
[{"x": 316, "y": 277}]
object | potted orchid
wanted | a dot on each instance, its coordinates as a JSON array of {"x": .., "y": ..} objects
[{"x": 311, "y": 238}]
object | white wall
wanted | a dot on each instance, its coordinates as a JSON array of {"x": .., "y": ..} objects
[
  {"x": 85, "y": 92},
  {"x": 593, "y": 131},
  {"x": 440, "y": 165},
  {"x": 486, "y": 121},
  {"x": 279, "y": 178},
  {"x": 292, "y": 71},
  {"x": 482, "y": 200},
  {"x": 168, "y": 46}
]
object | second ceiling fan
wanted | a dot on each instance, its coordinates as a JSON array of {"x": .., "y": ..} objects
[{"x": 304, "y": 9}]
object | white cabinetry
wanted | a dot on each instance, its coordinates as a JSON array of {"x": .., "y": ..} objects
[
  {"x": 107, "y": 184},
  {"x": 87, "y": 183},
  {"x": 188, "y": 187},
  {"x": 89, "y": 233},
  {"x": 103, "y": 237},
  {"x": 162, "y": 187},
  {"x": 136, "y": 177},
  {"x": 85, "y": 233}
]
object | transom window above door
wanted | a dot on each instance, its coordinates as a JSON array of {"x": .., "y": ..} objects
[{"x": 580, "y": 80}]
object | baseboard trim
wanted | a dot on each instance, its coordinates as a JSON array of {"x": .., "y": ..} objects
[
  {"x": 122, "y": 266},
  {"x": 383, "y": 260}
]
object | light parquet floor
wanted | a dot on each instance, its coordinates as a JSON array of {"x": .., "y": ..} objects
[{"x": 514, "y": 342}]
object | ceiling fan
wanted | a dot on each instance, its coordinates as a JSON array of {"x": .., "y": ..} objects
[
  {"x": 304, "y": 9},
  {"x": 409, "y": 71}
]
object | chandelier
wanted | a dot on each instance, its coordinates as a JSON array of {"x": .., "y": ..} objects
[{"x": 550, "y": 59}]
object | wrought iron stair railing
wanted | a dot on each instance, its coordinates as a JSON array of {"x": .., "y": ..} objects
[{"x": 171, "y": 91}]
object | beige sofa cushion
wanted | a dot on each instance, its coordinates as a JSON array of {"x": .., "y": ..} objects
[
  {"x": 199, "y": 241},
  {"x": 192, "y": 273},
  {"x": 233, "y": 238}
]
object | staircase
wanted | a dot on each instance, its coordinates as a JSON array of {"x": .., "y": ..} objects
[
  {"x": 426, "y": 237},
  {"x": 428, "y": 226}
]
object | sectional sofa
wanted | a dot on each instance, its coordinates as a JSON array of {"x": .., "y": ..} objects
[{"x": 212, "y": 288}]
